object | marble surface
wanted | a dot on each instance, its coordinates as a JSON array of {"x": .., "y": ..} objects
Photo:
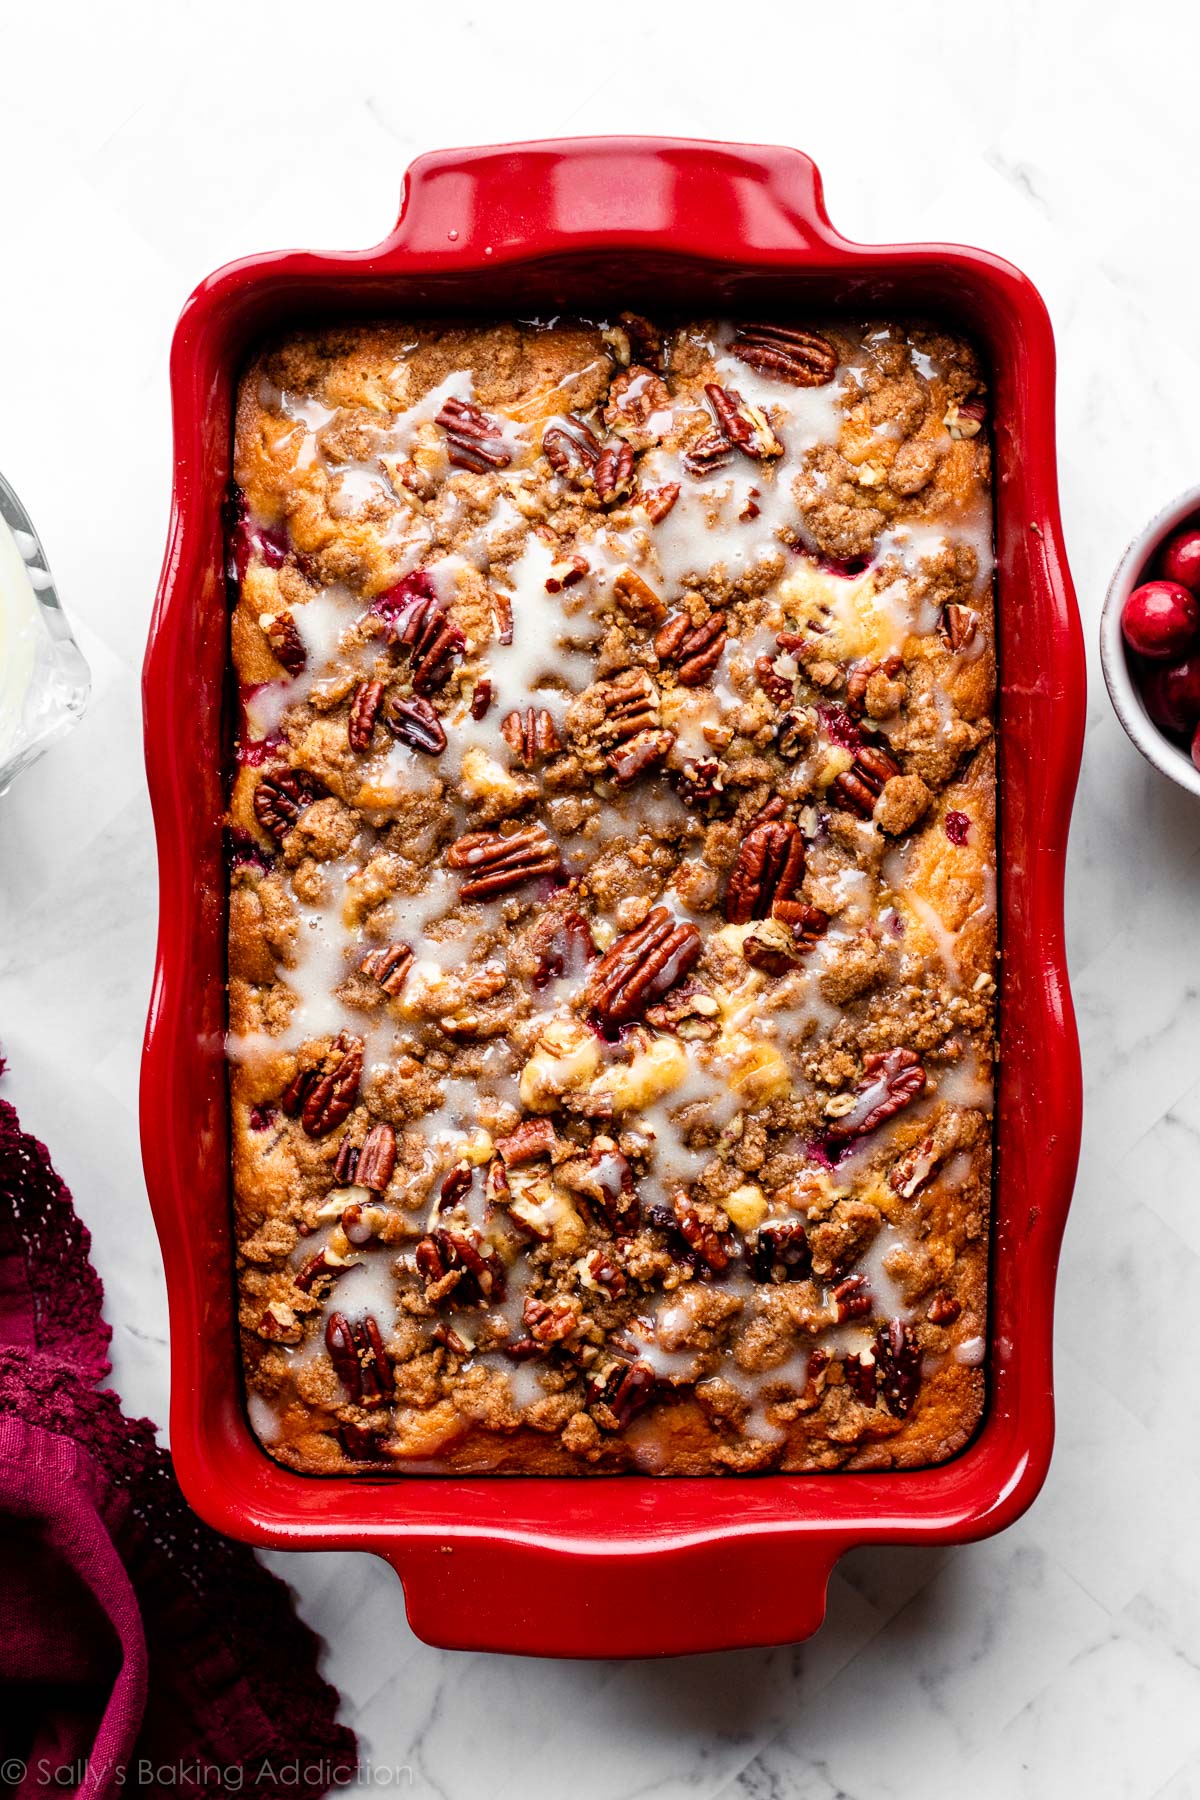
[{"x": 143, "y": 143}]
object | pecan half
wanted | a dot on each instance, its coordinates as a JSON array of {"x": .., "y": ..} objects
[
  {"x": 279, "y": 800},
  {"x": 713, "y": 1247},
  {"x": 852, "y": 1298},
  {"x": 693, "y": 651},
  {"x": 630, "y": 705},
  {"x": 803, "y": 358},
  {"x": 745, "y": 426},
  {"x": 325, "y": 1097},
  {"x": 898, "y": 1356},
  {"x": 622, "y": 1389},
  {"x": 613, "y": 478},
  {"x": 550, "y": 1321},
  {"x": 376, "y": 1159},
  {"x": 473, "y": 440},
  {"x": 891, "y": 1082},
  {"x": 780, "y": 1253},
  {"x": 861, "y": 785},
  {"x": 657, "y": 502},
  {"x": 499, "y": 863},
  {"x": 364, "y": 710},
  {"x": 531, "y": 735},
  {"x": 359, "y": 1359},
  {"x": 431, "y": 641},
  {"x": 287, "y": 645},
  {"x": 769, "y": 869},
  {"x": 389, "y": 967},
  {"x": 415, "y": 723},
  {"x": 638, "y": 754},
  {"x": 641, "y": 967},
  {"x": 957, "y": 625},
  {"x": 572, "y": 449}
]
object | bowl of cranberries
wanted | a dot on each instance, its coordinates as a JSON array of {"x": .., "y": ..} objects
[{"x": 1150, "y": 641}]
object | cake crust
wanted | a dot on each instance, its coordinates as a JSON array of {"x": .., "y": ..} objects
[{"x": 612, "y": 923}]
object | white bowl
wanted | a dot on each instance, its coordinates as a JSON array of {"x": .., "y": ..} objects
[{"x": 1123, "y": 690}]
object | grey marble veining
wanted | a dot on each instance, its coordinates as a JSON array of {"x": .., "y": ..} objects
[{"x": 148, "y": 142}]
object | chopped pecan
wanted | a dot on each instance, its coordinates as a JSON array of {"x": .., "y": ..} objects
[
  {"x": 451, "y": 1339},
  {"x": 389, "y": 967},
  {"x": 622, "y": 1389},
  {"x": 769, "y": 869},
  {"x": 914, "y": 1168},
  {"x": 279, "y": 1324},
  {"x": 564, "y": 946},
  {"x": 657, "y": 502},
  {"x": 630, "y": 705},
  {"x": 805, "y": 923},
  {"x": 565, "y": 573},
  {"x": 637, "y": 599},
  {"x": 345, "y": 1164},
  {"x": 713, "y": 1247},
  {"x": 692, "y": 650},
  {"x": 777, "y": 944},
  {"x": 473, "y": 440},
  {"x": 531, "y": 1139},
  {"x": 852, "y": 1298},
  {"x": 891, "y": 1081},
  {"x": 360, "y": 1444},
  {"x": 641, "y": 967},
  {"x": 711, "y": 451},
  {"x": 364, "y": 710},
  {"x": 414, "y": 722},
  {"x": 572, "y": 449},
  {"x": 320, "y": 1268},
  {"x": 745, "y": 426},
  {"x": 498, "y": 863},
  {"x": 957, "y": 625},
  {"x": 859, "y": 680},
  {"x": 943, "y": 1310},
  {"x": 793, "y": 734},
  {"x": 646, "y": 340},
  {"x": 862, "y": 1375},
  {"x": 377, "y": 1158},
  {"x": 780, "y": 1253},
  {"x": 899, "y": 1359},
  {"x": 803, "y": 358},
  {"x": 456, "y": 1185},
  {"x": 279, "y": 799},
  {"x": 432, "y": 642},
  {"x": 550, "y": 1321},
  {"x": 779, "y": 689},
  {"x": 860, "y": 787},
  {"x": 359, "y": 1359},
  {"x": 604, "y": 1273},
  {"x": 480, "y": 1271},
  {"x": 502, "y": 617},
  {"x": 690, "y": 1011},
  {"x": 481, "y": 698},
  {"x": 637, "y": 754},
  {"x": 613, "y": 478},
  {"x": 531, "y": 735},
  {"x": 325, "y": 1097},
  {"x": 699, "y": 781},
  {"x": 637, "y": 400},
  {"x": 965, "y": 419},
  {"x": 605, "y": 1182},
  {"x": 286, "y": 643}
]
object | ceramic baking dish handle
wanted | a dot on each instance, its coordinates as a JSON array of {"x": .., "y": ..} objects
[
  {"x": 715, "y": 200},
  {"x": 722, "y": 1593}
]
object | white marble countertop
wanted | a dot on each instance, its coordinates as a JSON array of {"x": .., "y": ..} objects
[{"x": 146, "y": 142}]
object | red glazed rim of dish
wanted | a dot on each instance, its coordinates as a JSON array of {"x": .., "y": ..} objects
[{"x": 613, "y": 1566}]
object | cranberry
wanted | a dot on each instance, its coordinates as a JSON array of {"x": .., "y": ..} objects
[
  {"x": 1172, "y": 696},
  {"x": 1160, "y": 619},
  {"x": 1180, "y": 560}
]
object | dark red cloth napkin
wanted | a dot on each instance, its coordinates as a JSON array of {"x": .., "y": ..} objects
[{"x": 140, "y": 1652}]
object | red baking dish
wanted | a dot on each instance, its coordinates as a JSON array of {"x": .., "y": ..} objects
[{"x": 627, "y": 1565}]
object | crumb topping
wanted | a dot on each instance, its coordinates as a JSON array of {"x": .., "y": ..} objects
[{"x": 612, "y": 895}]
